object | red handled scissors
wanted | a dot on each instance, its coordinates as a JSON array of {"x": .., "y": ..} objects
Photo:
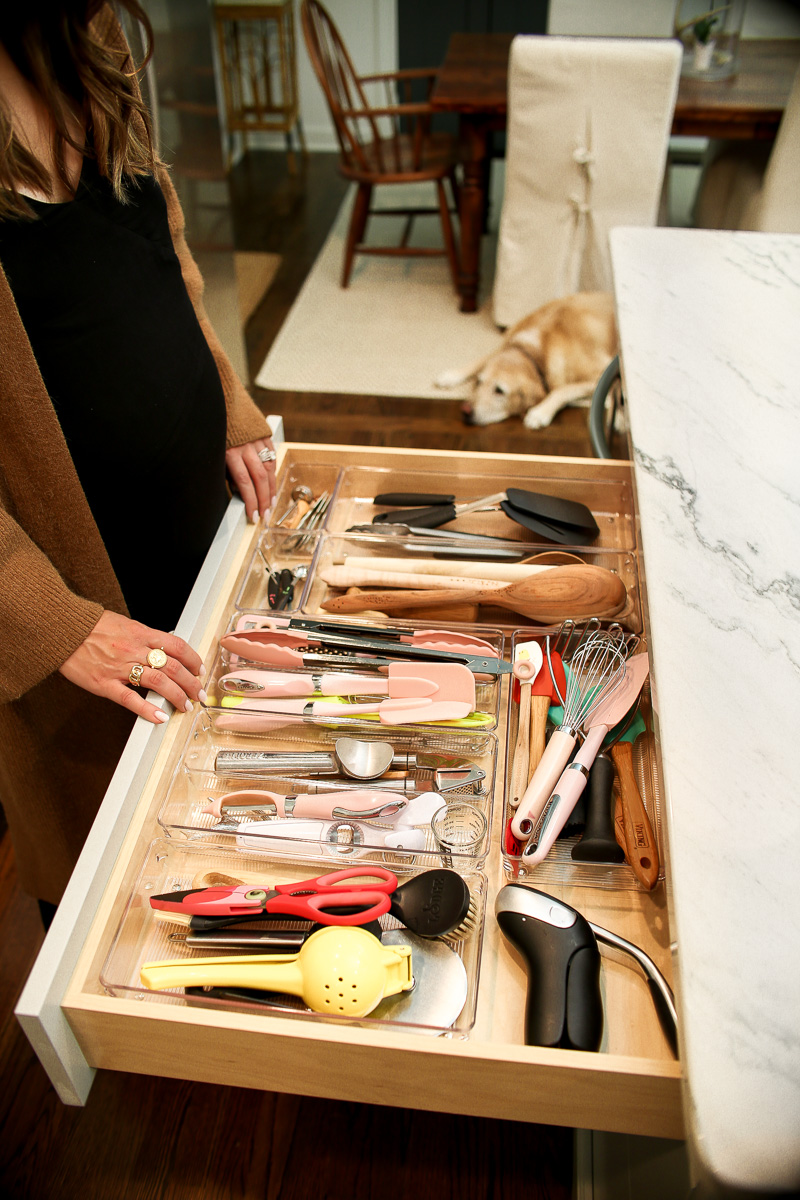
[{"x": 311, "y": 898}]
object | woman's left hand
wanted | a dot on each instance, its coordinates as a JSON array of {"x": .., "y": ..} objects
[{"x": 253, "y": 479}]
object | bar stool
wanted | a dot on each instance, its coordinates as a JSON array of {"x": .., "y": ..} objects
[{"x": 259, "y": 70}]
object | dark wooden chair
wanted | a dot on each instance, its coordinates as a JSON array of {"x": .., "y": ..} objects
[{"x": 390, "y": 142}]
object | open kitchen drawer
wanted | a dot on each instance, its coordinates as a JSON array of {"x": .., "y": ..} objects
[{"x": 632, "y": 1085}]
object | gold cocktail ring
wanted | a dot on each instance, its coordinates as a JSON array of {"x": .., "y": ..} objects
[
  {"x": 135, "y": 677},
  {"x": 157, "y": 659}
]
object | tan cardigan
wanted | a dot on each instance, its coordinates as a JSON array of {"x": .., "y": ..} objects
[{"x": 59, "y": 745}]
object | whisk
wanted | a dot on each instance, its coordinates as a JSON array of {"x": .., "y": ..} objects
[{"x": 597, "y": 668}]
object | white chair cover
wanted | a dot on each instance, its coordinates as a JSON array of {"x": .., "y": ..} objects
[
  {"x": 750, "y": 186},
  {"x": 588, "y": 132}
]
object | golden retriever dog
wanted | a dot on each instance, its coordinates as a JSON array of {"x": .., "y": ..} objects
[{"x": 548, "y": 360}]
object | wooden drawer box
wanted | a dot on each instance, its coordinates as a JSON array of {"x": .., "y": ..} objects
[{"x": 632, "y": 1085}]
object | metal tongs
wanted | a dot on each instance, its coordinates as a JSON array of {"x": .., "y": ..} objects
[{"x": 459, "y": 545}]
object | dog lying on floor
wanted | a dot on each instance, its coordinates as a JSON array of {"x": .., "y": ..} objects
[{"x": 548, "y": 360}]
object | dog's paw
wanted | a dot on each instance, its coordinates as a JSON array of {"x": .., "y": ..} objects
[
  {"x": 449, "y": 379},
  {"x": 538, "y": 417}
]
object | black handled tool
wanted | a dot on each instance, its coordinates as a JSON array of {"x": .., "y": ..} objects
[
  {"x": 599, "y": 843},
  {"x": 564, "y": 1007},
  {"x": 419, "y": 499}
]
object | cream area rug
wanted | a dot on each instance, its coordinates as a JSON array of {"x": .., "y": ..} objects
[
  {"x": 396, "y": 327},
  {"x": 255, "y": 272}
]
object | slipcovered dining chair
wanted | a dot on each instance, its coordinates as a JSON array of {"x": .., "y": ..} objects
[
  {"x": 382, "y": 142},
  {"x": 754, "y": 185},
  {"x": 588, "y": 134}
]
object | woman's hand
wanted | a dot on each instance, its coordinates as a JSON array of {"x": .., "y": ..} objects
[
  {"x": 254, "y": 479},
  {"x": 102, "y": 664}
]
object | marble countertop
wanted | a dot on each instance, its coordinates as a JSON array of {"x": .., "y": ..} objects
[{"x": 710, "y": 337}]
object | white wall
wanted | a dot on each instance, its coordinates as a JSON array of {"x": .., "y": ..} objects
[
  {"x": 653, "y": 18},
  {"x": 369, "y": 31}
]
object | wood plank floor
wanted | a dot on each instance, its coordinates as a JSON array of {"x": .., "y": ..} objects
[{"x": 142, "y": 1138}]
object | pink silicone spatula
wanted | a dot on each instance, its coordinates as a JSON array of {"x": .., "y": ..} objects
[{"x": 573, "y": 779}]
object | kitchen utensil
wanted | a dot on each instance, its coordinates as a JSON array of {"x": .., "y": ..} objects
[
  {"x": 440, "y": 984},
  {"x": 529, "y": 654},
  {"x": 378, "y": 648},
  {"x": 640, "y": 840},
  {"x": 458, "y": 828},
  {"x": 458, "y": 642},
  {"x": 605, "y": 713},
  {"x": 341, "y": 839},
  {"x": 280, "y": 941},
  {"x": 554, "y": 510},
  {"x": 558, "y": 520},
  {"x": 308, "y": 522},
  {"x": 597, "y": 668},
  {"x": 432, "y": 516},
  {"x": 434, "y": 903},
  {"x": 319, "y": 899},
  {"x": 663, "y": 999},
  {"x": 401, "y": 680},
  {"x": 583, "y": 590},
  {"x": 563, "y": 1005},
  {"x": 450, "y": 543},
  {"x": 343, "y": 972},
  {"x": 599, "y": 842},
  {"x": 288, "y": 578},
  {"x": 363, "y": 760},
  {"x": 353, "y": 757},
  {"x": 548, "y": 684},
  {"x": 299, "y": 492},
  {"x": 434, "y": 1002},
  {"x": 415, "y": 499},
  {"x": 244, "y": 721},
  {"x": 451, "y": 688},
  {"x": 358, "y": 804},
  {"x": 423, "y": 574}
]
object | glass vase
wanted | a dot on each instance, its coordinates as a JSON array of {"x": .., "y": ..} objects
[{"x": 709, "y": 33}]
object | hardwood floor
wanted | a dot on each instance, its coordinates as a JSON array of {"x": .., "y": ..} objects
[
  {"x": 291, "y": 216},
  {"x": 144, "y": 1138}
]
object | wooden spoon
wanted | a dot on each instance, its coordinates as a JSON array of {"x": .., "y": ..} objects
[{"x": 571, "y": 591}]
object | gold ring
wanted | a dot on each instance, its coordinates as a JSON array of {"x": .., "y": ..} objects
[
  {"x": 135, "y": 677},
  {"x": 157, "y": 658}
]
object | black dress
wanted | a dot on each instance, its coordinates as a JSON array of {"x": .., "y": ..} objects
[{"x": 99, "y": 288}]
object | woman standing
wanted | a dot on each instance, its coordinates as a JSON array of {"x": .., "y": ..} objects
[{"x": 119, "y": 414}]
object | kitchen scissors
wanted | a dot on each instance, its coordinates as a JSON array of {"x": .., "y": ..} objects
[{"x": 310, "y": 898}]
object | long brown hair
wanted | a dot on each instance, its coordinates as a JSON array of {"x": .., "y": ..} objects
[{"x": 73, "y": 53}]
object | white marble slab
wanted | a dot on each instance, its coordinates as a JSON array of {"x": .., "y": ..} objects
[{"x": 710, "y": 334}]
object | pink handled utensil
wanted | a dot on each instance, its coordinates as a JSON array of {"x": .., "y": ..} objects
[
  {"x": 597, "y": 668},
  {"x": 401, "y": 679},
  {"x": 611, "y": 709},
  {"x": 326, "y": 806}
]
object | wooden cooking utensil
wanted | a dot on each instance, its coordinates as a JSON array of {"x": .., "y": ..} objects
[
  {"x": 425, "y": 573},
  {"x": 571, "y": 591},
  {"x": 529, "y": 654},
  {"x": 543, "y": 694},
  {"x": 640, "y": 842}
]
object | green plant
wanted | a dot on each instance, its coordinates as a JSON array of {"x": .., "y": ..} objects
[
  {"x": 702, "y": 25},
  {"x": 703, "y": 28}
]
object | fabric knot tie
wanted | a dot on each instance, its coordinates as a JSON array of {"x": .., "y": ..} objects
[{"x": 580, "y": 206}]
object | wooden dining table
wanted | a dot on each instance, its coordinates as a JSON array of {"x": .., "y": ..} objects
[{"x": 473, "y": 82}]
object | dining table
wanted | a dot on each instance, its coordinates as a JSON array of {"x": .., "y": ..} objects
[{"x": 472, "y": 82}]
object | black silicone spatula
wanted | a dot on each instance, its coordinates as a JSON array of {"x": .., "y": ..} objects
[
  {"x": 552, "y": 533},
  {"x": 568, "y": 514}
]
